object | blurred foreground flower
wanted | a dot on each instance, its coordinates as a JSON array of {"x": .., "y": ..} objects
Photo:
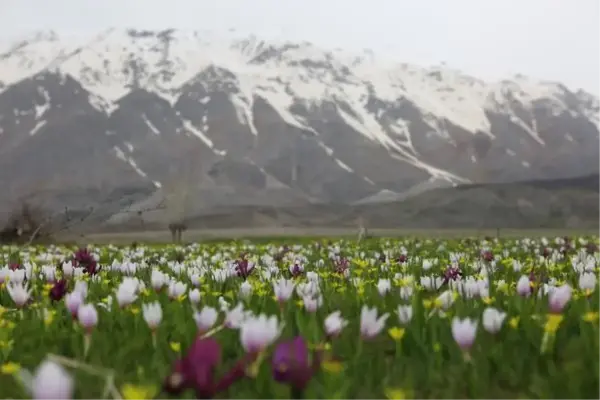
[{"x": 52, "y": 381}]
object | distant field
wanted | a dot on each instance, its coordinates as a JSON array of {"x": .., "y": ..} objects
[{"x": 282, "y": 233}]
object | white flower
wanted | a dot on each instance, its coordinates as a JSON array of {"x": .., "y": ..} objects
[
  {"x": 245, "y": 290},
  {"x": 464, "y": 332},
  {"x": 257, "y": 333},
  {"x": 405, "y": 314},
  {"x": 559, "y": 297},
  {"x": 370, "y": 325},
  {"x": 157, "y": 279},
  {"x": 587, "y": 281},
  {"x": 194, "y": 296},
  {"x": 152, "y": 314},
  {"x": 73, "y": 301},
  {"x": 87, "y": 316},
  {"x": 493, "y": 319},
  {"x": 283, "y": 289},
  {"x": 177, "y": 289},
  {"x": 383, "y": 286},
  {"x": 334, "y": 323},
  {"x": 51, "y": 381},
  {"x": 126, "y": 292},
  {"x": 18, "y": 293},
  {"x": 406, "y": 292},
  {"x": 235, "y": 317},
  {"x": 523, "y": 286},
  {"x": 206, "y": 318},
  {"x": 68, "y": 269},
  {"x": 311, "y": 304},
  {"x": 445, "y": 300},
  {"x": 81, "y": 287}
]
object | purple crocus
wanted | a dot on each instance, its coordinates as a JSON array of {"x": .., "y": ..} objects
[
  {"x": 83, "y": 258},
  {"x": 58, "y": 291},
  {"x": 452, "y": 273},
  {"x": 243, "y": 267},
  {"x": 291, "y": 363},
  {"x": 196, "y": 370}
]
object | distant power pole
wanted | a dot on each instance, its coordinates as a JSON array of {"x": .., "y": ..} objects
[{"x": 294, "y": 165}]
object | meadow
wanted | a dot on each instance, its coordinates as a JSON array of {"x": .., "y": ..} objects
[{"x": 309, "y": 318}]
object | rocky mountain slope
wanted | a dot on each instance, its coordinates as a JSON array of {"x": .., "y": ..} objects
[{"x": 138, "y": 116}]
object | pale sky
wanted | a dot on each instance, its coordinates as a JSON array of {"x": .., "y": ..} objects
[{"x": 491, "y": 39}]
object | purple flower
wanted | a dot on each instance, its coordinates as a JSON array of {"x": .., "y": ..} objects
[
  {"x": 196, "y": 370},
  {"x": 291, "y": 363},
  {"x": 83, "y": 258},
  {"x": 451, "y": 273},
  {"x": 244, "y": 268},
  {"x": 59, "y": 290}
]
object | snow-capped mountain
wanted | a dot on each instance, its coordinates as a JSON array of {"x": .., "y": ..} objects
[{"x": 137, "y": 114}]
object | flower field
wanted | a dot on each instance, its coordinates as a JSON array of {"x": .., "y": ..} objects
[{"x": 383, "y": 318}]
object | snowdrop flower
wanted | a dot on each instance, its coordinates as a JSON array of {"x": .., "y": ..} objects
[
  {"x": 384, "y": 286},
  {"x": 206, "y": 318},
  {"x": 194, "y": 296},
  {"x": 152, "y": 314},
  {"x": 464, "y": 332},
  {"x": 257, "y": 333},
  {"x": 558, "y": 298},
  {"x": 493, "y": 319},
  {"x": 405, "y": 314},
  {"x": 87, "y": 316},
  {"x": 51, "y": 381},
  {"x": 283, "y": 289},
  {"x": 370, "y": 325},
  {"x": 524, "y": 286},
  {"x": 334, "y": 323},
  {"x": 19, "y": 293}
]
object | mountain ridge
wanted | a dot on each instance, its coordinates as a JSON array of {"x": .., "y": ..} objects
[{"x": 245, "y": 121}]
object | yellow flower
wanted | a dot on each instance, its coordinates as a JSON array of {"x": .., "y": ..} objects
[
  {"x": 10, "y": 368},
  {"x": 49, "y": 317},
  {"x": 175, "y": 346},
  {"x": 488, "y": 300},
  {"x": 437, "y": 347},
  {"x": 134, "y": 310},
  {"x": 427, "y": 303},
  {"x": 132, "y": 392},
  {"x": 181, "y": 298},
  {"x": 333, "y": 367},
  {"x": 396, "y": 333},
  {"x": 514, "y": 322},
  {"x": 553, "y": 322},
  {"x": 397, "y": 394},
  {"x": 145, "y": 293},
  {"x": 300, "y": 303},
  {"x": 591, "y": 316}
]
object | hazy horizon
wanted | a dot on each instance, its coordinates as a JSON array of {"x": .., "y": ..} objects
[{"x": 546, "y": 39}]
